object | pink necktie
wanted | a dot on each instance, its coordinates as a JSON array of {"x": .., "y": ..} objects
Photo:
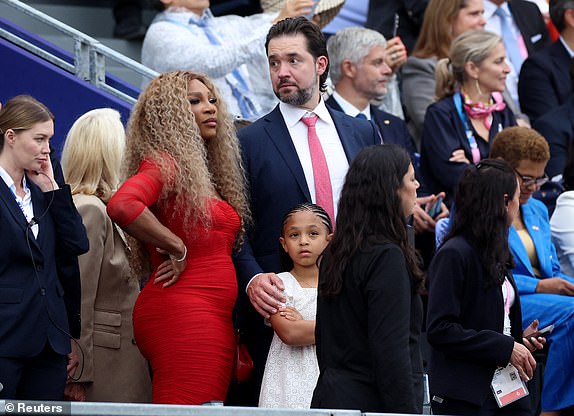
[{"x": 323, "y": 189}]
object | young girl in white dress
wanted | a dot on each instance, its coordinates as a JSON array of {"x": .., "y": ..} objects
[{"x": 291, "y": 370}]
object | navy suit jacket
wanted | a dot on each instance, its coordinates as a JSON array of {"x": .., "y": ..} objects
[
  {"x": 557, "y": 127},
  {"x": 443, "y": 133},
  {"x": 531, "y": 24},
  {"x": 544, "y": 81},
  {"x": 276, "y": 183},
  {"x": 393, "y": 130},
  {"x": 32, "y": 308}
]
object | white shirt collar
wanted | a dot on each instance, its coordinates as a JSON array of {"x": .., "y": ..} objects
[
  {"x": 490, "y": 8},
  {"x": 10, "y": 182},
  {"x": 8, "y": 179},
  {"x": 293, "y": 114},
  {"x": 570, "y": 52},
  {"x": 186, "y": 16},
  {"x": 349, "y": 108}
]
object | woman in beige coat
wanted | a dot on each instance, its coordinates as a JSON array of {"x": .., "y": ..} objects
[{"x": 111, "y": 367}]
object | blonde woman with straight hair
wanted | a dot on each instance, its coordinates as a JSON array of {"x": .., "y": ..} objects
[
  {"x": 470, "y": 110},
  {"x": 443, "y": 21},
  {"x": 186, "y": 197},
  {"x": 111, "y": 369}
]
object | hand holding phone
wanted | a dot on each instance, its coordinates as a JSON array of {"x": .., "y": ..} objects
[
  {"x": 435, "y": 209},
  {"x": 544, "y": 332}
]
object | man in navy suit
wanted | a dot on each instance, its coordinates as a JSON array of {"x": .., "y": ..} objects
[
  {"x": 360, "y": 74},
  {"x": 279, "y": 170},
  {"x": 544, "y": 81}
]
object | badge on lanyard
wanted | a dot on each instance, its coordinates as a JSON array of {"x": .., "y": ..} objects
[{"x": 507, "y": 385}]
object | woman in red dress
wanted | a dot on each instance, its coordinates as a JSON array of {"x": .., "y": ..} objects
[{"x": 186, "y": 202}]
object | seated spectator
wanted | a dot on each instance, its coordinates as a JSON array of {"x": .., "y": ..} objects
[
  {"x": 459, "y": 127},
  {"x": 474, "y": 315},
  {"x": 557, "y": 127},
  {"x": 544, "y": 81},
  {"x": 545, "y": 292},
  {"x": 229, "y": 49},
  {"x": 360, "y": 74},
  {"x": 443, "y": 21},
  {"x": 561, "y": 222},
  {"x": 521, "y": 26},
  {"x": 112, "y": 368}
]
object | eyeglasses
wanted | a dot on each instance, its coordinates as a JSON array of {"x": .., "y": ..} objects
[{"x": 528, "y": 181}]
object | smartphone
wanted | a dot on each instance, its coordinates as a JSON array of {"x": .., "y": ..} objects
[
  {"x": 435, "y": 209},
  {"x": 396, "y": 26},
  {"x": 544, "y": 332}
]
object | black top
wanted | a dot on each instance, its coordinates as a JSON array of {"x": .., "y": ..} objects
[
  {"x": 368, "y": 337},
  {"x": 465, "y": 324}
]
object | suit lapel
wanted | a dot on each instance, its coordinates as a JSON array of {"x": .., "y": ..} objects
[
  {"x": 520, "y": 254},
  {"x": 351, "y": 144},
  {"x": 532, "y": 223},
  {"x": 278, "y": 134},
  {"x": 9, "y": 201}
]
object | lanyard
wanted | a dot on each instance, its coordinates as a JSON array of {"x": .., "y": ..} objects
[{"x": 469, "y": 133}]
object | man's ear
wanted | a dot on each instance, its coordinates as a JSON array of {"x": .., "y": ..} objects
[
  {"x": 348, "y": 68},
  {"x": 321, "y": 64}
]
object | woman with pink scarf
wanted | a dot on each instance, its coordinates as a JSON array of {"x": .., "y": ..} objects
[{"x": 470, "y": 110}]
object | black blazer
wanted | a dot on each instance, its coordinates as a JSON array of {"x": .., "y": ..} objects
[
  {"x": 557, "y": 127},
  {"x": 32, "y": 308},
  {"x": 367, "y": 337},
  {"x": 444, "y": 132},
  {"x": 544, "y": 81},
  {"x": 465, "y": 322},
  {"x": 392, "y": 129},
  {"x": 530, "y": 23}
]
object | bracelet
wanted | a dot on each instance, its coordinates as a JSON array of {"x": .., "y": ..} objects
[{"x": 182, "y": 257}]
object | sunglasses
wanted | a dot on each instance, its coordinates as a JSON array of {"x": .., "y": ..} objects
[{"x": 528, "y": 181}]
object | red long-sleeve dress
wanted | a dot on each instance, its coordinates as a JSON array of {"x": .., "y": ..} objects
[{"x": 185, "y": 330}]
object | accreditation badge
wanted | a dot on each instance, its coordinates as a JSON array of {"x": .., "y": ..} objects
[{"x": 507, "y": 385}]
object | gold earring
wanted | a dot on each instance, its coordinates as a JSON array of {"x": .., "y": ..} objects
[{"x": 477, "y": 85}]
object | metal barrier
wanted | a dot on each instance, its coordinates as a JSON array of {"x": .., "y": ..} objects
[
  {"x": 89, "y": 54},
  {"x": 137, "y": 409}
]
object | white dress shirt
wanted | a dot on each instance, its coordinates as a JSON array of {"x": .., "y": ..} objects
[
  {"x": 562, "y": 228},
  {"x": 25, "y": 203},
  {"x": 349, "y": 108},
  {"x": 330, "y": 142}
]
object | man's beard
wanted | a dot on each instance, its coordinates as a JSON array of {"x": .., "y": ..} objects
[{"x": 299, "y": 97}]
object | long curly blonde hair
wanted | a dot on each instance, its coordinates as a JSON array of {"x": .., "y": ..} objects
[{"x": 162, "y": 128}]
